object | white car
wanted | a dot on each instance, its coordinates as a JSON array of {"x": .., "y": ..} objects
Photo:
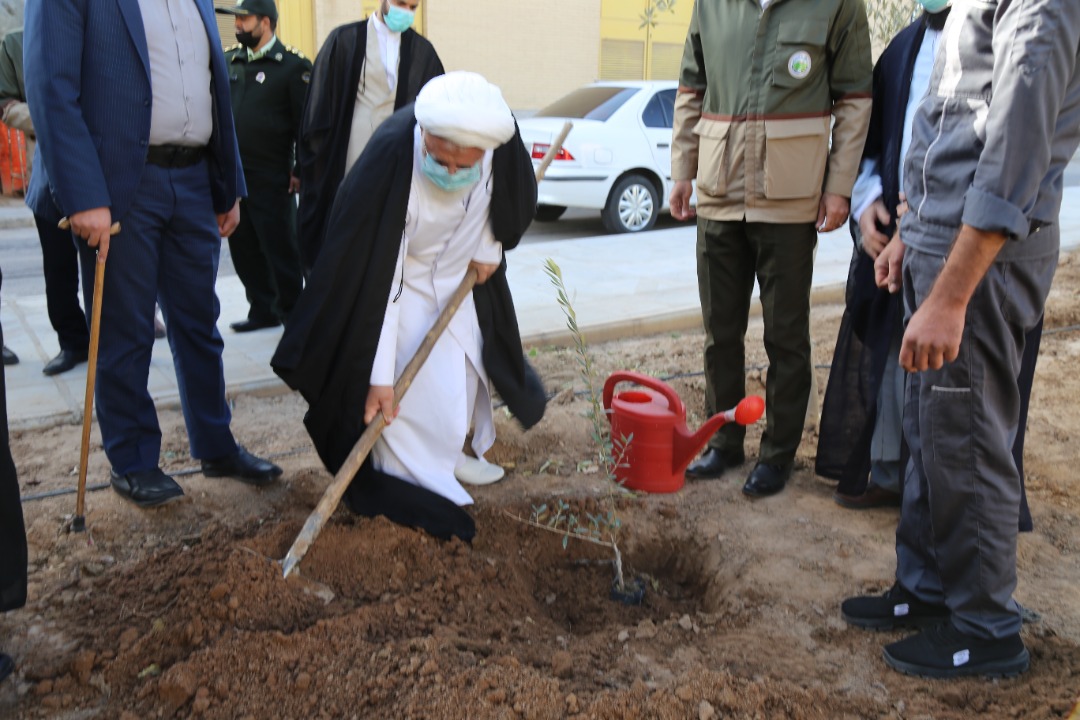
[{"x": 617, "y": 158}]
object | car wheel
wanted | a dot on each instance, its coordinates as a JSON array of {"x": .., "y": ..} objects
[
  {"x": 549, "y": 213},
  {"x": 632, "y": 206}
]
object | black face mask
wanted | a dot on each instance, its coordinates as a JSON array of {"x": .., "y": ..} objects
[{"x": 248, "y": 39}]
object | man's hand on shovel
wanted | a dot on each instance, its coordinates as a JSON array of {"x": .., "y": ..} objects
[
  {"x": 380, "y": 399},
  {"x": 95, "y": 226}
]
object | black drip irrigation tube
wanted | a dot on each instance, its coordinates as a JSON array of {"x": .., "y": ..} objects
[{"x": 179, "y": 473}]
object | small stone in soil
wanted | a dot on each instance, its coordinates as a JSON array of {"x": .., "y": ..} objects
[
  {"x": 646, "y": 630},
  {"x": 562, "y": 665}
]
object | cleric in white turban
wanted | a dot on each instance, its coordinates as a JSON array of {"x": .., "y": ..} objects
[
  {"x": 443, "y": 185},
  {"x": 465, "y": 109}
]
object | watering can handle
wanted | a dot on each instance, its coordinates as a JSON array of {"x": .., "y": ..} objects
[{"x": 675, "y": 403}]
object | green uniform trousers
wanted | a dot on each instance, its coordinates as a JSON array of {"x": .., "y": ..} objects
[{"x": 730, "y": 255}]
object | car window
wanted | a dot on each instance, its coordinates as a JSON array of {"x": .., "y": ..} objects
[
  {"x": 660, "y": 110},
  {"x": 589, "y": 103}
]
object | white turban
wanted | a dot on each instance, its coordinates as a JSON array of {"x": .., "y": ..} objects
[{"x": 465, "y": 109}]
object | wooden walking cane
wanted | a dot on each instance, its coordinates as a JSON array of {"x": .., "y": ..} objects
[
  {"x": 78, "y": 523},
  {"x": 333, "y": 494}
]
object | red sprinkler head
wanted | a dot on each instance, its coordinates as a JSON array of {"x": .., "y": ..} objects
[{"x": 749, "y": 410}]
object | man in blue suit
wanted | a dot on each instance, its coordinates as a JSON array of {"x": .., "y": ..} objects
[{"x": 131, "y": 104}]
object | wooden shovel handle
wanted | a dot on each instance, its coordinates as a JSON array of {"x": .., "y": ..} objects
[
  {"x": 553, "y": 150},
  {"x": 332, "y": 496}
]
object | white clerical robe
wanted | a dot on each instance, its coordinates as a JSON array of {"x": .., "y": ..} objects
[{"x": 443, "y": 232}]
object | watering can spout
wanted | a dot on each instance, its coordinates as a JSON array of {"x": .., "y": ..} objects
[{"x": 687, "y": 444}]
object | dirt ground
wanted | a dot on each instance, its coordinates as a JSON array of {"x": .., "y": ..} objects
[{"x": 177, "y": 613}]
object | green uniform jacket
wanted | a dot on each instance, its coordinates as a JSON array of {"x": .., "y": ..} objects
[
  {"x": 267, "y": 101},
  {"x": 11, "y": 67},
  {"x": 759, "y": 91}
]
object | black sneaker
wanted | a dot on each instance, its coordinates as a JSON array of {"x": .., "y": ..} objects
[
  {"x": 942, "y": 651},
  {"x": 897, "y": 608}
]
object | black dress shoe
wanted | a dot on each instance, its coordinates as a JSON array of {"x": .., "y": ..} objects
[
  {"x": 766, "y": 479},
  {"x": 146, "y": 488},
  {"x": 712, "y": 464},
  {"x": 875, "y": 496},
  {"x": 249, "y": 325},
  {"x": 10, "y": 358},
  {"x": 243, "y": 466},
  {"x": 64, "y": 361}
]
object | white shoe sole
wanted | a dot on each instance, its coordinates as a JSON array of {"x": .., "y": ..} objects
[{"x": 478, "y": 472}]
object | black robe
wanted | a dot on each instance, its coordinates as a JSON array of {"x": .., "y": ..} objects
[
  {"x": 329, "y": 344},
  {"x": 12, "y": 531},
  {"x": 327, "y": 121},
  {"x": 872, "y": 316}
]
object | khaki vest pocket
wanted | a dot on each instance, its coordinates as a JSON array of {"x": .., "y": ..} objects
[
  {"x": 712, "y": 156},
  {"x": 795, "y": 156}
]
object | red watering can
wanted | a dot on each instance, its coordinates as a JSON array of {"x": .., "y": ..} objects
[{"x": 654, "y": 419}]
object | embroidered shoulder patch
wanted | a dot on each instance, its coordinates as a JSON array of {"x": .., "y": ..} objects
[{"x": 798, "y": 65}]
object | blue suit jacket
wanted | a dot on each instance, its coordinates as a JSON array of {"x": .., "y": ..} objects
[{"x": 88, "y": 87}]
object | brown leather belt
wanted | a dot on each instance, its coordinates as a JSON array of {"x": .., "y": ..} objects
[{"x": 175, "y": 156}]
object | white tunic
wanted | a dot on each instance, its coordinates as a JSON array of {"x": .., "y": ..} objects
[{"x": 443, "y": 233}]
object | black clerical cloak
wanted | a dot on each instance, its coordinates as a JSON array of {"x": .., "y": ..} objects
[
  {"x": 329, "y": 344},
  {"x": 327, "y": 120},
  {"x": 12, "y": 531}
]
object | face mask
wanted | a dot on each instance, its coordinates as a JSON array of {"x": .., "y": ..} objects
[
  {"x": 441, "y": 177},
  {"x": 398, "y": 19},
  {"x": 247, "y": 39},
  {"x": 934, "y": 6}
]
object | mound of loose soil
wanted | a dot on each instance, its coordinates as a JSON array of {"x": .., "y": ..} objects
[{"x": 179, "y": 613}]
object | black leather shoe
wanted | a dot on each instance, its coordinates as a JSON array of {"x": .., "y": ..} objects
[
  {"x": 146, "y": 488},
  {"x": 766, "y": 480},
  {"x": 875, "y": 496},
  {"x": 243, "y": 466},
  {"x": 249, "y": 325},
  {"x": 7, "y": 666},
  {"x": 712, "y": 464},
  {"x": 64, "y": 361},
  {"x": 896, "y": 608},
  {"x": 10, "y": 358}
]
